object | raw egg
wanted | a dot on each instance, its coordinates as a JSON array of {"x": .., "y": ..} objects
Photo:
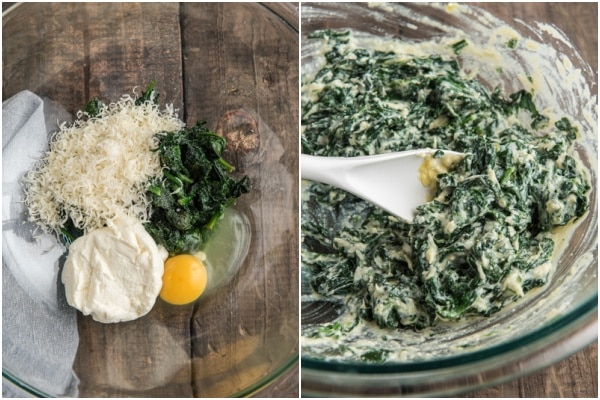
[{"x": 184, "y": 279}]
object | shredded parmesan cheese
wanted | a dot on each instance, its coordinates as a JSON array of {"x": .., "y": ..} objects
[{"x": 99, "y": 167}]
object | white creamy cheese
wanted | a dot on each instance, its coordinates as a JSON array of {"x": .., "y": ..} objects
[{"x": 114, "y": 273}]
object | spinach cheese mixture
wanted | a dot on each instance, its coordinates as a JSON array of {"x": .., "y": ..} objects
[{"x": 484, "y": 240}]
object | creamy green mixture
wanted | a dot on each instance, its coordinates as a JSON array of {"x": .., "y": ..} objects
[{"x": 486, "y": 238}]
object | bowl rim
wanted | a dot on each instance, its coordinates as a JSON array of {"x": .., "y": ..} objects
[
  {"x": 29, "y": 389},
  {"x": 259, "y": 385},
  {"x": 557, "y": 329}
]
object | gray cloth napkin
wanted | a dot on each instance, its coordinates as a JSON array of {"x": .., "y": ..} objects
[{"x": 39, "y": 328}]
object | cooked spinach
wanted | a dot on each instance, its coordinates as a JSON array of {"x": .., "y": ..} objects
[
  {"x": 93, "y": 107},
  {"x": 485, "y": 239},
  {"x": 195, "y": 190},
  {"x": 148, "y": 95},
  {"x": 458, "y": 46}
]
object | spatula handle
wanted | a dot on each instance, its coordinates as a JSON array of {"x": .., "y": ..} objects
[{"x": 330, "y": 170}]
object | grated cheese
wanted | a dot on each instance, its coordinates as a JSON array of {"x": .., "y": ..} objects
[{"x": 99, "y": 167}]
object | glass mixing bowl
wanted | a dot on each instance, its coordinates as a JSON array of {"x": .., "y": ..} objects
[
  {"x": 234, "y": 65},
  {"x": 548, "y": 324}
]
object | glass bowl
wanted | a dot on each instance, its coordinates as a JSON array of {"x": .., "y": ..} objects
[
  {"x": 549, "y": 324},
  {"x": 234, "y": 65}
]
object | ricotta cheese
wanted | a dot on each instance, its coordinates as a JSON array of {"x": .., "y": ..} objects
[{"x": 114, "y": 273}]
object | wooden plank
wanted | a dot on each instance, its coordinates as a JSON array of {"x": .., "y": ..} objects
[
  {"x": 127, "y": 45},
  {"x": 148, "y": 357},
  {"x": 47, "y": 60},
  {"x": 241, "y": 70},
  {"x": 575, "y": 377},
  {"x": 131, "y": 44}
]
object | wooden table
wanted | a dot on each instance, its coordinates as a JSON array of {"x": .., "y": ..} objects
[{"x": 236, "y": 66}]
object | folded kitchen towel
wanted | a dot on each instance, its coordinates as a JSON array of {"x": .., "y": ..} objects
[{"x": 39, "y": 328}]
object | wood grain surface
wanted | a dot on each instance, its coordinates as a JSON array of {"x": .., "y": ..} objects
[{"x": 234, "y": 65}]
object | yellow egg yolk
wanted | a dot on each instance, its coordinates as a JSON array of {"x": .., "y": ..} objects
[{"x": 184, "y": 279}]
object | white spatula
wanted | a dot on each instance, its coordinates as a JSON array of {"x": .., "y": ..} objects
[{"x": 390, "y": 181}]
